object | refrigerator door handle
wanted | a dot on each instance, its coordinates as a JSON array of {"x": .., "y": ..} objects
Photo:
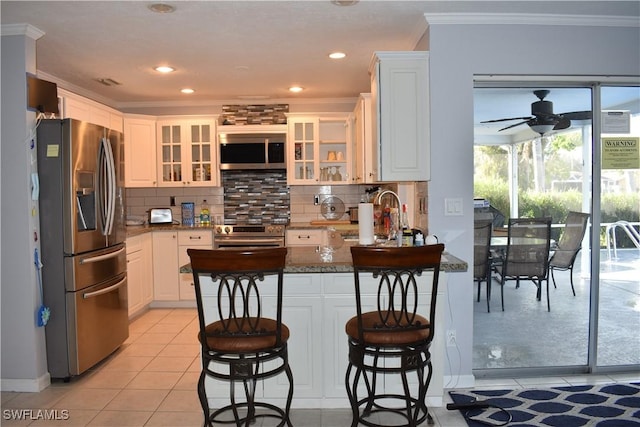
[
  {"x": 107, "y": 173},
  {"x": 104, "y": 291},
  {"x": 98, "y": 258}
]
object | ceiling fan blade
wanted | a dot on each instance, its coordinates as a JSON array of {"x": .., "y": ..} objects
[
  {"x": 514, "y": 125},
  {"x": 578, "y": 115},
  {"x": 564, "y": 123},
  {"x": 504, "y": 120}
]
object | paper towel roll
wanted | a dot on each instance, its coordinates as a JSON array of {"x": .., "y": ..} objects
[{"x": 365, "y": 224}]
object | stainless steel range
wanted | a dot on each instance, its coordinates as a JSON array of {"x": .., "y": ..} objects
[{"x": 248, "y": 236}]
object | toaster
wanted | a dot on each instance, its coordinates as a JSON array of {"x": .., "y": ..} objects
[{"x": 160, "y": 216}]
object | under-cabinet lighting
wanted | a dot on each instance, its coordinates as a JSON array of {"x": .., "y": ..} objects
[
  {"x": 296, "y": 89},
  {"x": 187, "y": 90},
  {"x": 337, "y": 55}
]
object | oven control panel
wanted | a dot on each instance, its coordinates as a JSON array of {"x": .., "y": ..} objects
[{"x": 250, "y": 230}]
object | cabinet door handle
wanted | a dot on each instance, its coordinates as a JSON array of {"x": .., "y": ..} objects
[
  {"x": 195, "y": 237},
  {"x": 304, "y": 237}
]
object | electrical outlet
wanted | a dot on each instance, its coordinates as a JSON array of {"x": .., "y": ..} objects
[
  {"x": 451, "y": 338},
  {"x": 316, "y": 199},
  {"x": 172, "y": 200}
]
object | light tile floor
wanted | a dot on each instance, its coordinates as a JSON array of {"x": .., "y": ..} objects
[{"x": 151, "y": 381}]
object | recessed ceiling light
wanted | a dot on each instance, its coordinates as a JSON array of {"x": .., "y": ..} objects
[
  {"x": 344, "y": 2},
  {"x": 164, "y": 69},
  {"x": 161, "y": 8},
  {"x": 187, "y": 90},
  {"x": 295, "y": 89},
  {"x": 337, "y": 55}
]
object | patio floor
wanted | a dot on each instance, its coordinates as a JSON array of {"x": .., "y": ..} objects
[{"x": 527, "y": 335}]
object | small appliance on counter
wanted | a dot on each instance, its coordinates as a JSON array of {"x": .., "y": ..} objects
[{"x": 160, "y": 216}]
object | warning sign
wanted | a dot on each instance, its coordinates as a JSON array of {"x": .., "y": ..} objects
[{"x": 621, "y": 153}]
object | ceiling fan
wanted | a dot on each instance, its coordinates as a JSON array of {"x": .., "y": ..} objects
[{"x": 543, "y": 119}]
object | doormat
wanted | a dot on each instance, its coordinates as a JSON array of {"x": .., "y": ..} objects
[{"x": 604, "y": 405}]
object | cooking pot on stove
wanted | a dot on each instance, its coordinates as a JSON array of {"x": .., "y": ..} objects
[{"x": 353, "y": 215}]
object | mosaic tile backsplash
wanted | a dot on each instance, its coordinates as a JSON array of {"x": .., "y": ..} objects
[
  {"x": 271, "y": 114},
  {"x": 256, "y": 197}
]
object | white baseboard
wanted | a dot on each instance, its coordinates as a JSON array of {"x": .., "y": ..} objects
[
  {"x": 29, "y": 385},
  {"x": 459, "y": 381}
]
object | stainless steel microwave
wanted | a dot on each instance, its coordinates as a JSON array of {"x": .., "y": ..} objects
[{"x": 253, "y": 151}]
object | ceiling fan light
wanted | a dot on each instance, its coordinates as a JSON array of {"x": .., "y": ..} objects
[{"x": 542, "y": 128}]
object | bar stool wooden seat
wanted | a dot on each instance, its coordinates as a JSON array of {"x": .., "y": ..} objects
[
  {"x": 239, "y": 344},
  {"x": 394, "y": 338}
]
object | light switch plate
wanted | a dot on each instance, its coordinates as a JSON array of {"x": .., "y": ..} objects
[{"x": 453, "y": 207}]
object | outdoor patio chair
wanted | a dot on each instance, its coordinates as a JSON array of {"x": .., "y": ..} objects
[
  {"x": 527, "y": 254},
  {"x": 569, "y": 245},
  {"x": 482, "y": 255}
]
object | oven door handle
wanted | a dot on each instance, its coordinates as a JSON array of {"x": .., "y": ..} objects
[
  {"x": 104, "y": 291},
  {"x": 247, "y": 242}
]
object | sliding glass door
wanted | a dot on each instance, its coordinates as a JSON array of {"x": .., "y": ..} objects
[
  {"x": 583, "y": 160},
  {"x": 618, "y": 293}
]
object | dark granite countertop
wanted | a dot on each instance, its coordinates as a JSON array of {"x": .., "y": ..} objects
[
  {"x": 316, "y": 259},
  {"x": 308, "y": 259},
  {"x": 135, "y": 230}
]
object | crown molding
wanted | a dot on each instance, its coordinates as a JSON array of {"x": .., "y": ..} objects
[
  {"x": 76, "y": 89},
  {"x": 417, "y": 33},
  {"x": 530, "y": 19},
  {"x": 234, "y": 101},
  {"x": 22, "y": 30}
]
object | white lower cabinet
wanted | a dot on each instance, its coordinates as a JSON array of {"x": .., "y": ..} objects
[
  {"x": 139, "y": 272},
  {"x": 196, "y": 239},
  {"x": 306, "y": 237},
  {"x": 165, "y": 266},
  {"x": 339, "y": 307},
  {"x": 302, "y": 313},
  {"x": 170, "y": 253}
]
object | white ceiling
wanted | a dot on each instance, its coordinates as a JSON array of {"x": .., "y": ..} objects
[{"x": 249, "y": 51}]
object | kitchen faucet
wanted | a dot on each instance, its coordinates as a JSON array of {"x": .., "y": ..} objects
[{"x": 398, "y": 223}]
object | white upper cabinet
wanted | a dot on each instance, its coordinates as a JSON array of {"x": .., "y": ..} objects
[
  {"x": 365, "y": 151},
  {"x": 140, "y": 151},
  {"x": 400, "y": 115},
  {"x": 319, "y": 149},
  {"x": 187, "y": 152},
  {"x": 84, "y": 109}
]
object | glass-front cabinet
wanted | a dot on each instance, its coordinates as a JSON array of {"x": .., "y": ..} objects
[
  {"x": 319, "y": 149},
  {"x": 302, "y": 144},
  {"x": 186, "y": 152}
]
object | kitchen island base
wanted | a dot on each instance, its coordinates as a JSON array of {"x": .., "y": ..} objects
[{"x": 316, "y": 309}]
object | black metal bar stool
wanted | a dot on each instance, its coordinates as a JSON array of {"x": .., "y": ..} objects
[
  {"x": 396, "y": 336},
  {"x": 239, "y": 344}
]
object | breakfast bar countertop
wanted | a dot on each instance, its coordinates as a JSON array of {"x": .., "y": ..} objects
[{"x": 318, "y": 259}]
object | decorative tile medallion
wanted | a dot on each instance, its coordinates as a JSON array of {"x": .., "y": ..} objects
[{"x": 262, "y": 114}]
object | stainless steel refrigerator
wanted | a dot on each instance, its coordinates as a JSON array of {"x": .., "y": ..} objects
[{"x": 82, "y": 232}]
